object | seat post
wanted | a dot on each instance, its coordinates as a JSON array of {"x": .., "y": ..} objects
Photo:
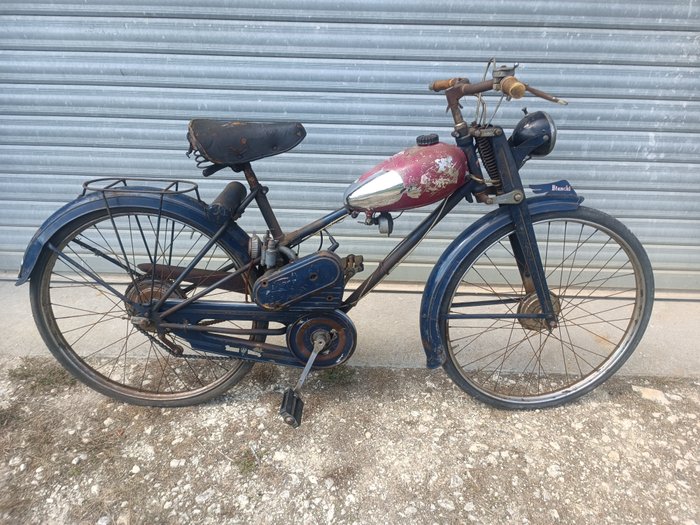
[{"x": 263, "y": 203}]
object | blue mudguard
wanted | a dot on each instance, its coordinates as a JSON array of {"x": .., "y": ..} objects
[
  {"x": 235, "y": 239},
  {"x": 433, "y": 339}
]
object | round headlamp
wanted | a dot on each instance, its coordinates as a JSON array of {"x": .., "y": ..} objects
[{"x": 532, "y": 126}]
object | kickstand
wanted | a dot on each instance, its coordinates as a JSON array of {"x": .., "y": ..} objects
[{"x": 292, "y": 405}]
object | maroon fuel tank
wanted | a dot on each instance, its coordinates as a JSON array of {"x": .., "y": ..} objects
[{"x": 415, "y": 177}]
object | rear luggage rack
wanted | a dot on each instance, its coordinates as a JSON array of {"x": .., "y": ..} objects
[{"x": 110, "y": 185}]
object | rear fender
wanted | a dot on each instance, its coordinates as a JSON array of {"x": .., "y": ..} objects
[
  {"x": 433, "y": 340},
  {"x": 235, "y": 239}
]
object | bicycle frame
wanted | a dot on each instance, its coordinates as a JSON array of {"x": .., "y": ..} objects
[{"x": 182, "y": 315}]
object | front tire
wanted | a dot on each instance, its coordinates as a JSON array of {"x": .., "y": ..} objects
[{"x": 602, "y": 286}]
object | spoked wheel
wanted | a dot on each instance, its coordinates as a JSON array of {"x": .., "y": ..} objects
[
  {"x": 88, "y": 328},
  {"x": 601, "y": 285}
]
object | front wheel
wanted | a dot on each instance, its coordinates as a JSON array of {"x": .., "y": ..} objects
[{"x": 602, "y": 288}]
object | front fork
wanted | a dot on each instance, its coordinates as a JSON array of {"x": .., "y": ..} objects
[
  {"x": 523, "y": 241},
  {"x": 527, "y": 256}
]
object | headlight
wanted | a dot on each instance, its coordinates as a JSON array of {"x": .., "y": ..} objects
[{"x": 535, "y": 125}]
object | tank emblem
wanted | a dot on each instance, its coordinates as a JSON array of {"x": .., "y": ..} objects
[{"x": 446, "y": 174}]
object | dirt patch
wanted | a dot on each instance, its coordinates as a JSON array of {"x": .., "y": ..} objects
[
  {"x": 376, "y": 446},
  {"x": 40, "y": 375}
]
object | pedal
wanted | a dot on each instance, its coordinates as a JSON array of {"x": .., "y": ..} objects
[{"x": 292, "y": 407}]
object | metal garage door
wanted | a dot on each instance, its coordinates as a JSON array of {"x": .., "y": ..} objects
[{"x": 101, "y": 90}]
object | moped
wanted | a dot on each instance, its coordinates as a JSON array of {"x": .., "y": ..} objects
[{"x": 152, "y": 296}]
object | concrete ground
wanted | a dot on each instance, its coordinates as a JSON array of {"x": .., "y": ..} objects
[
  {"x": 377, "y": 445},
  {"x": 388, "y": 332}
]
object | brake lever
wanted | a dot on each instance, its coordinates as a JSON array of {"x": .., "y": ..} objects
[{"x": 546, "y": 96}]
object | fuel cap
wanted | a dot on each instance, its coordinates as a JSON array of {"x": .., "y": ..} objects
[{"x": 427, "y": 140}]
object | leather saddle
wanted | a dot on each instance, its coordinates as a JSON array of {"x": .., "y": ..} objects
[{"x": 233, "y": 144}]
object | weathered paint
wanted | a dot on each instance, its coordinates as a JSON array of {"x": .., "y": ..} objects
[
  {"x": 316, "y": 278},
  {"x": 429, "y": 174},
  {"x": 434, "y": 343}
]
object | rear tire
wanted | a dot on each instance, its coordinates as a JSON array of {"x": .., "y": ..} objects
[
  {"x": 88, "y": 329},
  {"x": 602, "y": 284}
]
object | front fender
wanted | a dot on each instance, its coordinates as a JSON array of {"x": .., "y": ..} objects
[
  {"x": 433, "y": 340},
  {"x": 195, "y": 211}
]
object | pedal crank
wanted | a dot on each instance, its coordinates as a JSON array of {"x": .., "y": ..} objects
[{"x": 292, "y": 404}]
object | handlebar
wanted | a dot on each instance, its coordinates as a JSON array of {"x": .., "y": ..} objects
[
  {"x": 510, "y": 86},
  {"x": 503, "y": 80},
  {"x": 442, "y": 85}
]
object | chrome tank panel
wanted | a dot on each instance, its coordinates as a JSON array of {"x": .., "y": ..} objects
[{"x": 415, "y": 177}]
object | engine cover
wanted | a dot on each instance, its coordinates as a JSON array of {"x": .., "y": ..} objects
[{"x": 313, "y": 282}]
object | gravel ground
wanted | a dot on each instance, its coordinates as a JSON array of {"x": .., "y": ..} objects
[{"x": 376, "y": 446}]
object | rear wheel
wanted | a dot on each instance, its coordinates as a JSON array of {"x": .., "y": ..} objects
[
  {"x": 601, "y": 285},
  {"x": 88, "y": 327}
]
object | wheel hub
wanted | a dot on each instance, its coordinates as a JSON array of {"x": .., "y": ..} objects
[
  {"x": 145, "y": 292},
  {"x": 530, "y": 304}
]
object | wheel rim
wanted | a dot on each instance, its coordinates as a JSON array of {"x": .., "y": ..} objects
[
  {"x": 596, "y": 282},
  {"x": 91, "y": 325}
]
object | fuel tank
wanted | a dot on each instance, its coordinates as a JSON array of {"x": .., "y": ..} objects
[{"x": 414, "y": 177}]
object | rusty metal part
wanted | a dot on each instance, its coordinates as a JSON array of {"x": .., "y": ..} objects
[
  {"x": 301, "y": 234},
  {"x": 503, "y": 80},
  {"x": 458, "y": 91},
  {"x": 530, "y": 304},
  {"x": 501, "y": 72},
  {"x": 546, "y": 96},
  {"x": 488, "y": 157},
  {"x": 165, "y": 272},
  {"x": 484, "y": 196},
  {"x": 261, "y": 199},
  {"x": 484, "y": 131},
  {"x": 512, "y": 87},
  {"x": 145, "y": 292},
  {"x": 148, "y": 290},
  {"x": 353, "y": 264},
  {"x": 441, "y": 85},
  {"x": 512, "y": 197},
  {"x": 301, "y": 337},
  {"x": 473, "y": 89},
  {"x": 176, "y": 349}
]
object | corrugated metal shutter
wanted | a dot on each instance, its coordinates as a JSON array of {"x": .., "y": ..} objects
[{"x": 107, "y": 89}]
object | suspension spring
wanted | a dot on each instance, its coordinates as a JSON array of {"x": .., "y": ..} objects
[{"x": 488, "y": 157}]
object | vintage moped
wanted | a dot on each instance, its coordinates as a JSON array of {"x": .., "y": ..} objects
[{"x": 152, "y": 296}]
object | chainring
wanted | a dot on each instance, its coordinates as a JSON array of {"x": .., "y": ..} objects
[{"x": 338, "y": 325}]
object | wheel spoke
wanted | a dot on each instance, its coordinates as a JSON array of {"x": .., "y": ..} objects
[
  {"x": 595, "y": 288},
  {"x": 90, "y": 290}
]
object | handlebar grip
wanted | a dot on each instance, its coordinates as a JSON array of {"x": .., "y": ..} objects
[
  {"x": 512, "y": 87},
  {"x": 441, "y": 85}
]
